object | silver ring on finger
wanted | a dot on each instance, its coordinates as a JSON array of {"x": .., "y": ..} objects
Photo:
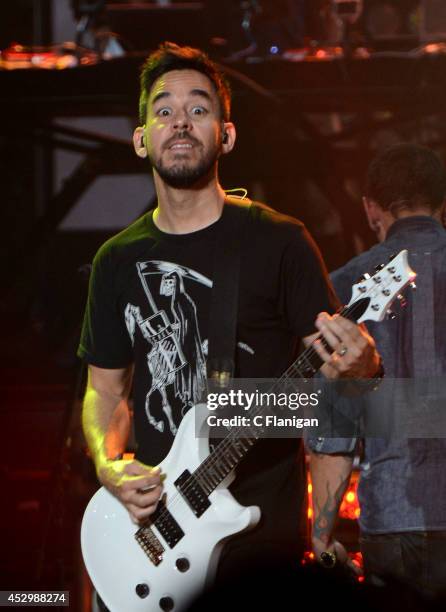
[{"x": 343, "y": 351}]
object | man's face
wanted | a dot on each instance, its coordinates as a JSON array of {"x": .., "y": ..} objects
[{"x": 184, "y": 127}]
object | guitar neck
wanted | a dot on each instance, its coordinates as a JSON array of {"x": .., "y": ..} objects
[{"x": 230, "y": 451}]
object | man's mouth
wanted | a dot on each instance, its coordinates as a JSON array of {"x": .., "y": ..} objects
[
  {"x": 181, "y": 146},
  {"x": 181, "y": 143}
]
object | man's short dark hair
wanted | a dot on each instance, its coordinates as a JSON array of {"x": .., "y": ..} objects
[
  {"x": 407, "y": 176},
  {"x": 170, "y": 56}
]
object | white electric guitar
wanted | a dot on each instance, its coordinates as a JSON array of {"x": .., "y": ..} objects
[{"x": 166, "y": 563}]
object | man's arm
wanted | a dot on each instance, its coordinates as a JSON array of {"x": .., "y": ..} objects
[
  {"x": 104, "y": 413},
  {"x": 330, "y": 475},
  {"x": 105, "y": 424},
  {"x": 354, "y": 356}
]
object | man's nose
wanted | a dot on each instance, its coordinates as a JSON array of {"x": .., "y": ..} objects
[{"x": 182, "y": 121}]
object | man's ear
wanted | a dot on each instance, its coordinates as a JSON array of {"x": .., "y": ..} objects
[
  {"x": 139, "y": 142},
  {"x": 379, "y": 220},
  {"x": 228, "y": 137},
  {"x": 372, "y": 213}
]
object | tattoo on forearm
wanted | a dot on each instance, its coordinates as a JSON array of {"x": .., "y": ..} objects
[{"x": 325, "y": 514}]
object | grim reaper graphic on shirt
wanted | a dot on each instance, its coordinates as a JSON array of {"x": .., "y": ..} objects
[{"x": 177, "y": 356}]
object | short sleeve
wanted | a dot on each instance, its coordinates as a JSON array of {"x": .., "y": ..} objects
[
  {"x": 340, "y": 420},
  {"x": 104, "y": 341},
  {"x": 332, "y": 446},
  {"x": 305, "y": 289}
]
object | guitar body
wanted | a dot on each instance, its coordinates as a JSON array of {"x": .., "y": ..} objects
[{"x": 117, "y": 563}]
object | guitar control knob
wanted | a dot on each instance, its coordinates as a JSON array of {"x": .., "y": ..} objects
[
  {"x": 182, "y": 564},
  {"x": 142, "y": 590},
  {"x": 166, "y": 604}
]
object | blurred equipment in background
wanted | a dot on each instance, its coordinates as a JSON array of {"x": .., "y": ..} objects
[
  {"x": 66, "y": 55},
  {"x": 348, "y": 13},
  {"x": 92, "y": 29},
  {"x": 392, "y": 24},
  {"x": 238, "y": 29},
  {"x": 381, "y": 25},
  {"x": 433, "y": 20},
  {"x": 142, "y": 26},
  {"x": 88, "y": 14},
  {"x": 274, "y": 25},
  {"x": 262, "y": 26}
]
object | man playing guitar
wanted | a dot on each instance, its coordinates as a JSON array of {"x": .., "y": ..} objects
[{"x": 155, "y": 278}]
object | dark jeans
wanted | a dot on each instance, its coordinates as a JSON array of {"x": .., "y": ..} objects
[{"x": 417, "y": 559}]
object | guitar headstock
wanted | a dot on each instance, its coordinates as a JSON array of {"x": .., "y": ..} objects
[{"x": 373, "y": 295}]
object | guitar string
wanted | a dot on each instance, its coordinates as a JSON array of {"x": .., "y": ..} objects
[{"x": 226, "y": 442}]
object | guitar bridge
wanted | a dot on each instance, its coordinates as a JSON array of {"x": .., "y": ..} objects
[{"x": 150, "y": 544}]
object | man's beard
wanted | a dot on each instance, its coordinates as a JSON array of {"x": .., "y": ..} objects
[{"x": 182, "y": 176}]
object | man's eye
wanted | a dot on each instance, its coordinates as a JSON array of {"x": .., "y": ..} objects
[
  {"x": 164, "y": 112},
  {"x": 199, "y": 110}
]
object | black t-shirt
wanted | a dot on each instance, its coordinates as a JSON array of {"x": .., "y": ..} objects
[{"x": 149, "y": 303}]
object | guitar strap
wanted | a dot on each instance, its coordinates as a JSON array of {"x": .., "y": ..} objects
[{"x": 225, "y": 291}]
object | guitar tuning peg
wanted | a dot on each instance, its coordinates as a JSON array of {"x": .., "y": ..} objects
[
  {"x": 391, "y": 315},
  {"x": 413, "y": 285},
  {"x": 393, "y": 256},
  {"x": 380, "y": 267},
  {"x": 364, "y": 277}
]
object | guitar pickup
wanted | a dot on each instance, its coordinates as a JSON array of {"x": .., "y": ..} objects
[
  {"x": 167, "y": 525},
  {"x": 193, "y": 493}
]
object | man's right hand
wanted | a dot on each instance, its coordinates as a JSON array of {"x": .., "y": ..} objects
[
  {"x": 138, "y": 486},
  {"x": 342, "y": 556}
]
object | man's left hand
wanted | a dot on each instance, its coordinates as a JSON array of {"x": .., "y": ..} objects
[{"x": 354, "y": 352}]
